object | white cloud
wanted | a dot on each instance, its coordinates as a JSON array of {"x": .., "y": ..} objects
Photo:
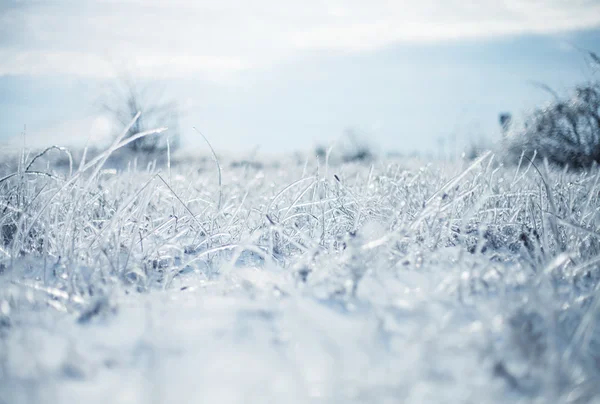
[{"x": 217, "y": 38}]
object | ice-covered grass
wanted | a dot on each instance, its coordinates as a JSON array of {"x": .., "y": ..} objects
[{"x": 301, "y": 281}]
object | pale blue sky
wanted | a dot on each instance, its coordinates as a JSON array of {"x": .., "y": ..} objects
[{"x": 287, "y": 75}]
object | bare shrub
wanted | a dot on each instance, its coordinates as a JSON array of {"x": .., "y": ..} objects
[
  {"x": 566, "y": 133},
  {"x": 356, "y": 147},
  {"x": 126, "y": 98}
]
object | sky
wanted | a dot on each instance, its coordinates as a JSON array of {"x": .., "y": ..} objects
[{"x": 284, "y": 76}]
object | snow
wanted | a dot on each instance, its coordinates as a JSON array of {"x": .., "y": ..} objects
[{"x": 390, "y": 281}]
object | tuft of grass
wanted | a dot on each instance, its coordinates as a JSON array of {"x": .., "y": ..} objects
[{"x": 443, "y": 282}]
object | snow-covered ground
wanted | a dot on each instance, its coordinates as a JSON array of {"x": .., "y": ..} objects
[{"x": 299, "y": 281}]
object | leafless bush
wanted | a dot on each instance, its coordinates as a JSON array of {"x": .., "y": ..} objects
[
  {"x": 357, "y": 147},
  {"x": 126, "y": 98},
  {"x": 566, "y": 133}
]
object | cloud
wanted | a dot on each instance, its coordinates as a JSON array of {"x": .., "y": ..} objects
[{"x": 215, "y": 39}]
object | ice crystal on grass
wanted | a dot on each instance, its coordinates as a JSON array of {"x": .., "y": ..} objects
[{"x": 392, "y": 281}]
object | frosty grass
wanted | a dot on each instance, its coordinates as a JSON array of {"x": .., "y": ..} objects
[{"x": 298, "y": 281}]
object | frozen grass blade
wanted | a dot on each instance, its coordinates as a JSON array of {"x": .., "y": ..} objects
[{"x": 216, "y": 159}]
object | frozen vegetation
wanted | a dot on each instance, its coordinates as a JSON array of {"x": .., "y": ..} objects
[{"x": 303, "y": 281}]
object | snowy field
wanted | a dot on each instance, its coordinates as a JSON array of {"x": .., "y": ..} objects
[{"x": 298, "y": 281}]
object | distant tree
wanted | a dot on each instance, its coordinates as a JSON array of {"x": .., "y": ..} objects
[
  {"x": 356, "y": 147},
  {"x": 321, "y": 152},
  {"x": 505, "y": 119},
  {"x": 123, "y": 102}
]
